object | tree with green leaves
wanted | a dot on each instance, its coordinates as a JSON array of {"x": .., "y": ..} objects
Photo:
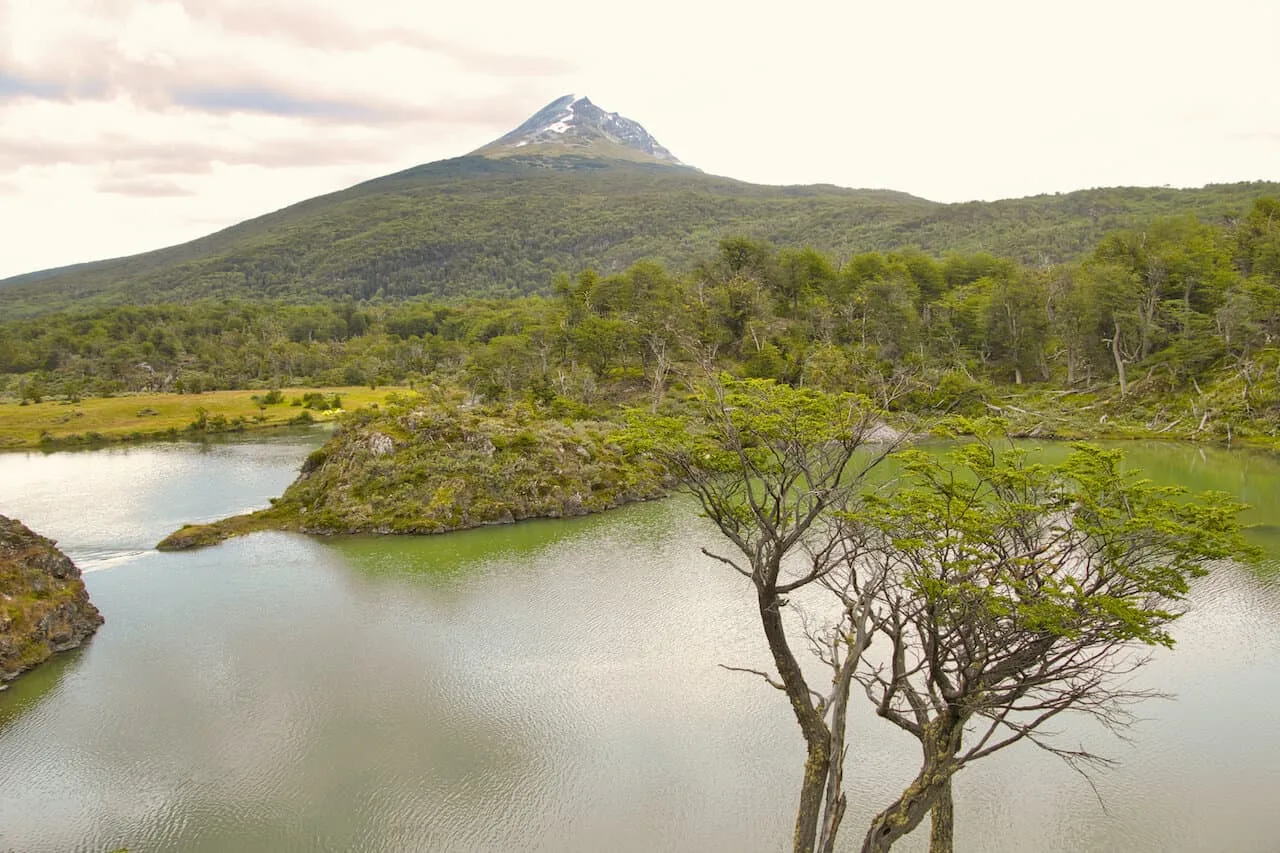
[
  {"x": 1017, "y": 323},
  {"x": 1006, "y": 592},
  {"x": 776, "y": 468}
]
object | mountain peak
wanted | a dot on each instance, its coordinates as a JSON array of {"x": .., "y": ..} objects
[{"x": 571, "y": 124}]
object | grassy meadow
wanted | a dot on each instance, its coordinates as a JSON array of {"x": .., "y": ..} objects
[{"x": 138, "y": 416}]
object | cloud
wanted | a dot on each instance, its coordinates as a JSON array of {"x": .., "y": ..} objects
[
  {"x": 329, "y": 32},
  {"x": 13, "y": 86},
  {"x": 132, "y": 157},
  {"x": 144, "y": 188},
  {"x": 272, "y": 102},
  {"x": 1262, "y": 135},
  {"x": 269, "y": 56}
]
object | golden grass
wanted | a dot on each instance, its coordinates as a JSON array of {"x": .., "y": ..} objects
[{"x": 138, "y": 416}]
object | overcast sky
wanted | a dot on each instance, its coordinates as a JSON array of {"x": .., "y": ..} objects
[{"x": 126, "y": 125}]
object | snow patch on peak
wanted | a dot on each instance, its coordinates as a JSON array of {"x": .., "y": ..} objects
[{"x": 573, "y": 120}]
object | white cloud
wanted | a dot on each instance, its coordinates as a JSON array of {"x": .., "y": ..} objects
[{"x": 131, "y": 124}]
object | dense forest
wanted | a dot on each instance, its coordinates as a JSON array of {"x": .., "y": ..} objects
[
  {"x": 1171, "y": 326},
  {"x": 476, "y": 227}
]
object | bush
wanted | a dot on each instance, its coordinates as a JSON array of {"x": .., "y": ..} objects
[{"x": 274, "y": 397}]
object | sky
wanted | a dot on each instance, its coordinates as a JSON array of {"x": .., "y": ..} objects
[{"x": 127, "y": 125}]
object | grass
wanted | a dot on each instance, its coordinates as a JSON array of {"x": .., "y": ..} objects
[
  {"x": 203, "y": 535},
  {"x": 142, "y": 416}
]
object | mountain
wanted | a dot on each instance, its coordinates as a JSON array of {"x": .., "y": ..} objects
[
  {"x": 573, "y": 125},
  {"x": 574, "y": 187}
]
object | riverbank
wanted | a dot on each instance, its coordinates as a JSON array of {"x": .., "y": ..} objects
[
  {"x": 1103, "y": 415},
  {"x": 141, "y": 417}
]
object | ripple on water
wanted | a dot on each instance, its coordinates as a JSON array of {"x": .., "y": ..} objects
[{"x": 548, "y": 687}]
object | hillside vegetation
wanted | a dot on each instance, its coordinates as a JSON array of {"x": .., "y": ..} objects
[
  {"x": 1169, "y": 328},
  {"x": 479, "y": 227}
]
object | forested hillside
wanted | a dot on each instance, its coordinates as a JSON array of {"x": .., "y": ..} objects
[
  {"x": 477, "y": 227},
  {"x": 1172, "y": 327}
]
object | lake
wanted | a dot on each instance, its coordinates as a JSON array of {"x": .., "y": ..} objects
[{"x": 546, "y": 686}]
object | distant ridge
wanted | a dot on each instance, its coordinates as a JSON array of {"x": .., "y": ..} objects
[{"x": 573, "y": 187}]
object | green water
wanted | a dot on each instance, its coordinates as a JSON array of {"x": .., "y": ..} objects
[{"x": 544, "y": 686}]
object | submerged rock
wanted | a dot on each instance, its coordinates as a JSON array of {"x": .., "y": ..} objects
[{"x": 44, "y": 607}]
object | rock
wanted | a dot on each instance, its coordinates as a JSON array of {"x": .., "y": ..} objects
[
  {"x": 380, "y": 444},
  {"x": 882, "y": 433},
  {"x": 44, "y": 607}
]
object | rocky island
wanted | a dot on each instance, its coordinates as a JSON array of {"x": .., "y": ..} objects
[
  {"x": 44, "y": 607},
  {"x": 421, "y": 466}
]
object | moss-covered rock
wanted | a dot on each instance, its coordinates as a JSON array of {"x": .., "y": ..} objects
[
  {"x": 44, "y": 607},
  {"x": 423, "y": 467}
]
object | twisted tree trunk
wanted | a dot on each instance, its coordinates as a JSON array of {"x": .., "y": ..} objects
[{"x": 930, "y": 789}]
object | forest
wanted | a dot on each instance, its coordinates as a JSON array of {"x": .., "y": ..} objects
[
  {"x": 475, "y": 227},
  {"x": 1168, "y": 328}
]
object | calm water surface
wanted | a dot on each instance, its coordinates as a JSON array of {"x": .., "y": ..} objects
[{"x": 546, "y": 686}]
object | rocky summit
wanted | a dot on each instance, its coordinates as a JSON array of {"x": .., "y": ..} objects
[
  {"x": 574, "y": 125},
  {"x": 44, "y": 607}
]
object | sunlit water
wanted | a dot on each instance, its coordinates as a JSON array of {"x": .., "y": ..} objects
[{"x": 545, "y": 686}]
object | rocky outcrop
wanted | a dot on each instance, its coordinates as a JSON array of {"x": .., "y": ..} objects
[{"x": 44, "y": 607}]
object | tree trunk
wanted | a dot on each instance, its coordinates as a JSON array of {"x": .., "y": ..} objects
[
  {"x": 904, "y": 815},
  {"x": 942, "y": 833},
  {"x": 1119, "y": 359},
  {"x": 817, "y": 736},
  {"x": 809, "y": 813},
  {"x": 834, "y": 811},
  {"x": 929, "y": 792}
]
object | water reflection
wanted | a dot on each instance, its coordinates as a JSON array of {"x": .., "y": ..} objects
[
  {"x": 543, "y": 686},
  {"x": 26, "y": 692}
]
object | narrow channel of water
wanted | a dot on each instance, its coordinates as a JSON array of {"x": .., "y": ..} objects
[{"x": 546, "y": 686}]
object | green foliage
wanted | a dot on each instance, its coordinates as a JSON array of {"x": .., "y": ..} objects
[
  {"x": 1009, "y": 591},
  {"x": 1167, "y": 327},
  {"x": 1065, "y": 549},
  {"x": 274, "y": 397},
  {"x": 761, "y": 456},
  {"x": 477, "y": 227}
]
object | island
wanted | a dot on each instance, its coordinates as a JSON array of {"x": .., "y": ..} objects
[{"x": 419, "y": 465}]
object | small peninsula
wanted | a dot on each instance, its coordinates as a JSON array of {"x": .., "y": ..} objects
[
  {"x": 44, "y": 607},
  {"x": 423, "y": 466}
]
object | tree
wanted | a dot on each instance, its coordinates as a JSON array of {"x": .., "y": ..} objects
[
  {"x": 1008, "y": 592},
  {"x": 1017, "y": 322},
  {"x": 774, "y": 468}
]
